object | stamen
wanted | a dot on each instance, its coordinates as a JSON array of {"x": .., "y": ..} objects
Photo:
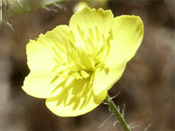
[
  {"x": 88, "y": 47},
  {"x": 91, "y": 62},
  {"x": 90, "y": 43},
  {"x": 91, "y": 36},
  {"x": 108, "y": 48},
  {"x": 69, "y": 59},
  {"x": 92, "y": 47},
  {"x": 104, "y": 42},
  {"x": 77, "y": 75},
  {"x": 72, "y": 36},
  {"x": 67, "y": 34},
  {"x": 58, "y": 54},
  {"x": 58, "y": 61},
  {"x": 68, "y": 46},
  {"x": 103, "y": 48},
  {"x": 97, "y": 34},
  {"x": 110, "y": 37},
  {"x": 74, "y": 56},
  {"x": 81, "y": 33},
  {"x": 99, "y": 58},
  {"x": 84, "y": 74},
  {"x": 59, "y": 46},
  {"x": 80, "y": 66}
]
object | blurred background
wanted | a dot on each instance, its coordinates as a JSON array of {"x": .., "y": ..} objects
[{"x": 146, "y": 88}]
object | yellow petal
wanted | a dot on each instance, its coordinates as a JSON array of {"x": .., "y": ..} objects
[
  {"x": 128, "y": 34},
  {"x": 37, "y": 84},
  {"x": 88, "y": 19},
  {"x": 75, "y": 99},
  {"x": 58, "y": 33},
  {"x": 41, "y": 52},
  {"x": 106, "y": 78},
  {"x": 39, "y": 57},
  {"x": 44, "y": 56}
]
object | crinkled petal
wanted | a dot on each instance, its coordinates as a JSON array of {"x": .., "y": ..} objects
[
  {"x": 58, "y": 33},
  {"x": 40, "y": 52},
  {"x": 75, "y": 99},
  {"x": 127, "y": 32},
  {"x": 106, "y": 78},
  {"x": 37, "y": 84},
  {"x": 43, "y": 61},
  {"x": 38, "y": 56},
  {"x": 89, "y": 18}
]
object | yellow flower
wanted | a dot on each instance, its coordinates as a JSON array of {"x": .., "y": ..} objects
[{"x": 74, "y": 66}]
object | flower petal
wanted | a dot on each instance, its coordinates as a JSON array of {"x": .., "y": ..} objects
[
  {"x": 38, "y": 56},
  {"x": 128, "y": 34},
  {"x": 37, "y": 84},
  {"x": 90, "y": 18},
  {"x": 106, "y": 78},
  {"x": 40, "y": 53},
  {"x": 44, "y": 63},
  {"x": 75, "y": 99}
]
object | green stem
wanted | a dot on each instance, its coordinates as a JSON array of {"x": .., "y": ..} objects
[{"x": 117, "y": 113}]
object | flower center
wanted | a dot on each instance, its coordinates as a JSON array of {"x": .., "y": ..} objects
[{"x": 83, "y": 54}]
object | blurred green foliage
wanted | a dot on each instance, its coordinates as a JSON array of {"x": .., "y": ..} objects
[
  {"x": 22, "y": 6},
  {"x": 12, "y": 7}
]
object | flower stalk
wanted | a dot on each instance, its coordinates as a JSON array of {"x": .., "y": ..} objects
[{"x": 117, "y": 113}]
